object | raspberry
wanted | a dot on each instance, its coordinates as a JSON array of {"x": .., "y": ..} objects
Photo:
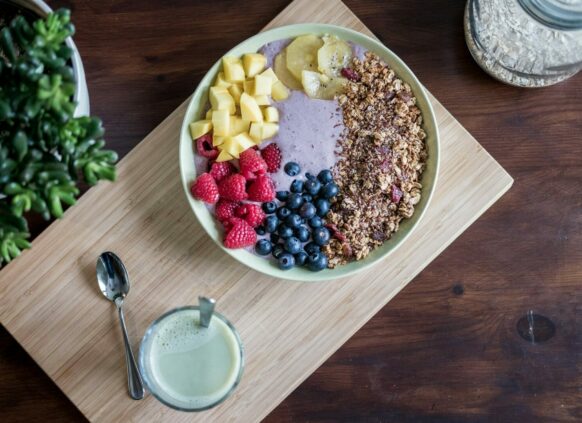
[
  {"x": 251, "y": 164},
  {"x": 350, "y": 74},
  {"x": 262, "y": 189},
  {"x": 233, "y": 188},
  {"x": 253, "y": 214},
  {"x": 228, "y": 224},
  {"x": 221, "y": 170},
  {"x": 205, "y": 148},
  {"x": 396, "y": 194},
  {"x": 225, "y": 209},
  {"x": 240, "y": 234},
  {"x": 272, "y": 156},
  {"x": 204, "y": 188}
]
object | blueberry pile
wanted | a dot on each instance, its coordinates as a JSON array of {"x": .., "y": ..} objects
[{"x": 295, "y": 223}]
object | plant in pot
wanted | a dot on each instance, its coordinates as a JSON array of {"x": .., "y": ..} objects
[{"x": 45, "y": 151}]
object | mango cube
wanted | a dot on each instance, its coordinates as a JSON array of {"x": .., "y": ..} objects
[
  {"x": 220, "y": 99},
  {"x": 208, "y": 114},
  {"x": 221, "y": 81},
  {"x": 217, "y": 140},
  {"x": 249, "y": 87},
  {"x": 256, "y": 132},
  {"x": 243, "y": 141},
  {"x": 279, "y": 91},
  {"x": 262, "y": 100},
  {"x": 250, "y": 110},
  {"x": 233, "y": 69},
  {"x": 271, "y": 74},
  {"x": 238, "y": 125},
  {"x": 262, "y": 85},
  {"x": 271, "y": 114},
  {"x": 269, "y": 130},
  {"x": 221, "y": 122},
  {"x": 235, "y": 91},
  {"x": 224, "y": 156},
  {"x": 254, "y": 63},
  {"x": 261, "y": 131},
  {"x": 199, "y": 128},
  {"x": 231, "y": 147}
]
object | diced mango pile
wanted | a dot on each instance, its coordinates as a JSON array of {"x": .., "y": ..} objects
[{"x": 241, "y": 114}]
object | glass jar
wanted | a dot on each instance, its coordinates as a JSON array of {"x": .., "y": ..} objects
[{"x": 527, "y": 43}]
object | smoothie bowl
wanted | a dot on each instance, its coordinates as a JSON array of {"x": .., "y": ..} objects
[{"x": 309, "y": 152}]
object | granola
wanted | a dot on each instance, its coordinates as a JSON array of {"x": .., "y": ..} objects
[{"x": 382, "y": 156}]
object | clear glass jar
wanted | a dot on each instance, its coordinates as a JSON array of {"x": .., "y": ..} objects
[{"x": 527, "y": 43}]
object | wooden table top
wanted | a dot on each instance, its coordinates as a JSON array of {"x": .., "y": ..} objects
[{"x": 448, "y": 347}]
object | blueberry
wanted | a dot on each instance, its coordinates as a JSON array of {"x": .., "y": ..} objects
[
  {"x": 283, "y": 212},
  {"x": 260, "y": 230},
  {"x": 307, "y": 211},
  {"x": 307, "y": 198},
  {"x": 275, "y": 238},
  {"x": 321, "y": 236},
  {"x": 286, "y": 261},
  {"x": 263, "y": 247},
  {"x": 282, "y": 195},
  {"x": 294, "y": 201},
  {"x": 302, "y": 233},
  {"x": 312, "y": 248},
  {"x": 309, "y": 175},
  {"x": 329, "y": 190},
  {"x": 270, "y": 207},
  {"x": 316, "y": 262},
  {"x": 284, "y": 231},
  {"x": 292, "y": 169},
  {"x": 292, "y": 245},
  {"x": 271, "y": 223},
  {"x": 315, "y": 222},
  {"x": 277, "y": 251},
  {"x": 322, "y": 207},
  {"x": 325, "y": 176},
  {"x": 293, "y": 220},
  {"x": 300, "y": 258},
  {"x": 312, "y": 186},
  {"x": 297, "y": 185}
]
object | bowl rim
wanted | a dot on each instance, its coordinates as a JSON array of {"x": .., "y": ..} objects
[{"x": 404, "y": 73}]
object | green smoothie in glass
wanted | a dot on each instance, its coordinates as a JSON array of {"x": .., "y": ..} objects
[{"x": 189, "y": 367}]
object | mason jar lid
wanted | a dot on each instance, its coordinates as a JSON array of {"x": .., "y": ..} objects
[{"x": 565, "y": 15}]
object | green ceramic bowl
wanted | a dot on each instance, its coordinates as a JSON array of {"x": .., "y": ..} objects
[{"x": 195, "y": 111}]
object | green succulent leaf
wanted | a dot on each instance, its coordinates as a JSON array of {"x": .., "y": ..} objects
[{"x": 44, "y": 150}]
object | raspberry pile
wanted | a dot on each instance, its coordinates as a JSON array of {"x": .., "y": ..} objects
[{"x": 233, "y": 191}]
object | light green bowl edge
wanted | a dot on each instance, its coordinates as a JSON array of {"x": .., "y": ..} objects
[{"x": 429, "y": 178}]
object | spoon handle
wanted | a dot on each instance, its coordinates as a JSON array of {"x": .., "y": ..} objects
[{"x": 134, "y": 382}]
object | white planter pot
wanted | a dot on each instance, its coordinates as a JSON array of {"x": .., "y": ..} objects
[{"x": 81, "y": 95}]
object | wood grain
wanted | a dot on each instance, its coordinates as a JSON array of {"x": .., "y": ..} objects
[{"x": 445, "y": 349}]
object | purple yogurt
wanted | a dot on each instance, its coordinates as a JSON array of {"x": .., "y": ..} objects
[
  {"x": 308, "y": 132},
  {"x": 308, "y": 128}
]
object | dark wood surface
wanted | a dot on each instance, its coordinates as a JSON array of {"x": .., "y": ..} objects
[{"x": 447, "y": 348}]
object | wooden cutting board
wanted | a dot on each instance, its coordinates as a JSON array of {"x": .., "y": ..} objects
[{"x": 50, "y": 303}]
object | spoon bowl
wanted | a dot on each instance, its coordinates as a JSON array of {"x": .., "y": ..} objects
[{"x": 112, "y": 276}]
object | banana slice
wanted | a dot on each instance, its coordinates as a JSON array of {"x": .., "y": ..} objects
[
  {"x": 302, "y": 54},
  {"x": 333, "y": 56},
  {"x": 318, "y": 85},
  {"x": 283, "y": 73}
]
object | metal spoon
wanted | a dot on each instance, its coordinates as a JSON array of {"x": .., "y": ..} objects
[
  {"x": 114, "y": 284},
  {"x": 206, "y": 307}
]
